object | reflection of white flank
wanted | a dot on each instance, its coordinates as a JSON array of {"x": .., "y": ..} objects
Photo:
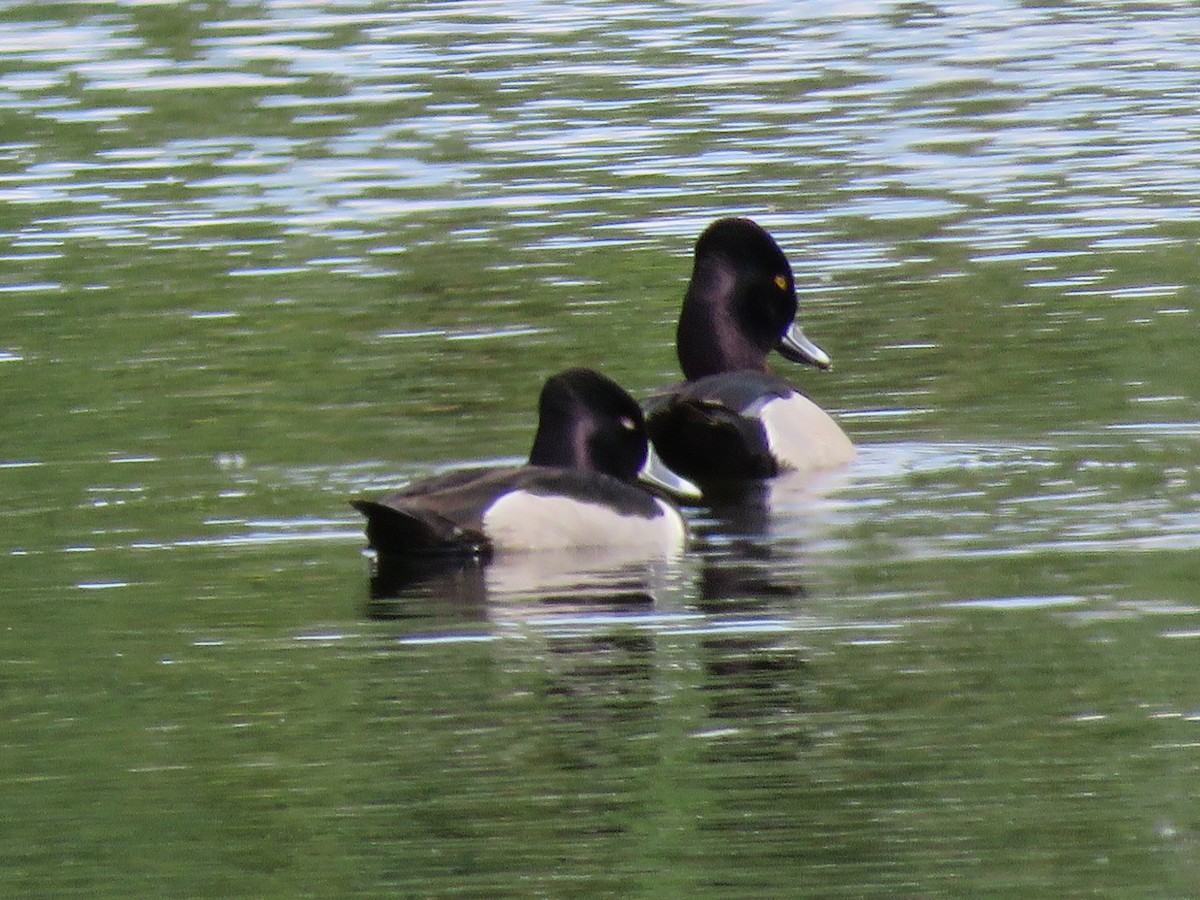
[
  {"x": 524, "y": 521},
  {"x": 581, "y": 577},
  {"x": 802, "y": 435}
]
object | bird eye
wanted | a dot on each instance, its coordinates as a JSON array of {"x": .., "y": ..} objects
[
  {"x": 781, "y": 282},
  {"x": 628, "y": 424}
]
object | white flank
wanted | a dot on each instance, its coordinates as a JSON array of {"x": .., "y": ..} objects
[
  {"x": 523, "y": 521},
  {"x": 802, "y": 436}
]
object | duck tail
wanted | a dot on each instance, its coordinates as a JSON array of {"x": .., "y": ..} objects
[{"x": 399, "y": 532}]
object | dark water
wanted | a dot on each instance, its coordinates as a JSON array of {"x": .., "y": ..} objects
[{"x": 259, "y": 258}]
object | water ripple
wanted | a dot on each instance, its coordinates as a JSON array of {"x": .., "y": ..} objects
[{"x": 918, "y": 117}]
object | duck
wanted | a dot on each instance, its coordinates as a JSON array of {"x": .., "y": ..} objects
[
  {"x": 578, "y": 490},
  {"x": 732, "y": 419}
]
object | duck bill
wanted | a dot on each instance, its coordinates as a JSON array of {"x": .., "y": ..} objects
[
  {"x": 796, "y": 346},
  {"x": 655, "y": 473}
]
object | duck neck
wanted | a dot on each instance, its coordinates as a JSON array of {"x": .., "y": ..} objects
[
  {"x": 558, "y": 449},
  {"x": 710, "y": 338}
]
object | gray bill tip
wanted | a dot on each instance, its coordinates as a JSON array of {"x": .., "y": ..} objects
[
  {"x": 655, "y": 473},
  {"x": 796, "y": 346}
]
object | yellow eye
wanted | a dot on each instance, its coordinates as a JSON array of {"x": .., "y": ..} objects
[
  {"x": 781, "y": 282},
  {"x": 628, "y": 424}
]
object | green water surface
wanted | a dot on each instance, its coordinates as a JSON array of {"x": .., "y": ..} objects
[{"x": 259, "y": 258}]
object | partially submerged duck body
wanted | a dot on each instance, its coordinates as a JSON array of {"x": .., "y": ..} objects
[
  {"x": 577, "y": 491},
  {"x": 732, "y": 419}
]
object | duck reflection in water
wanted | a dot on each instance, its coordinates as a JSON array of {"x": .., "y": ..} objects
[
  {"x": 404, "y": 586},
  {"x": 747, "y": 555},
  {"x": 750, "y": 543}
]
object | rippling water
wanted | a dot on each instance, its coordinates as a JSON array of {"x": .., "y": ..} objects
[{"x": 261, "y": 257}]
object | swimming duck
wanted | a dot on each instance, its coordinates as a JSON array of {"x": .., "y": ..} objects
[
  {"x": 577, "y": 490},
  {"x": 732, "y": 419}
]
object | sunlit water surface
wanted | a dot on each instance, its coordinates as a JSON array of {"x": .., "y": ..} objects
[{"x": 260, "y": 258}]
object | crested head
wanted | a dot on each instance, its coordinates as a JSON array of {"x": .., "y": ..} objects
[
  {"x": 740, "y": 302},
  {"x": 588, "y": 421}
]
